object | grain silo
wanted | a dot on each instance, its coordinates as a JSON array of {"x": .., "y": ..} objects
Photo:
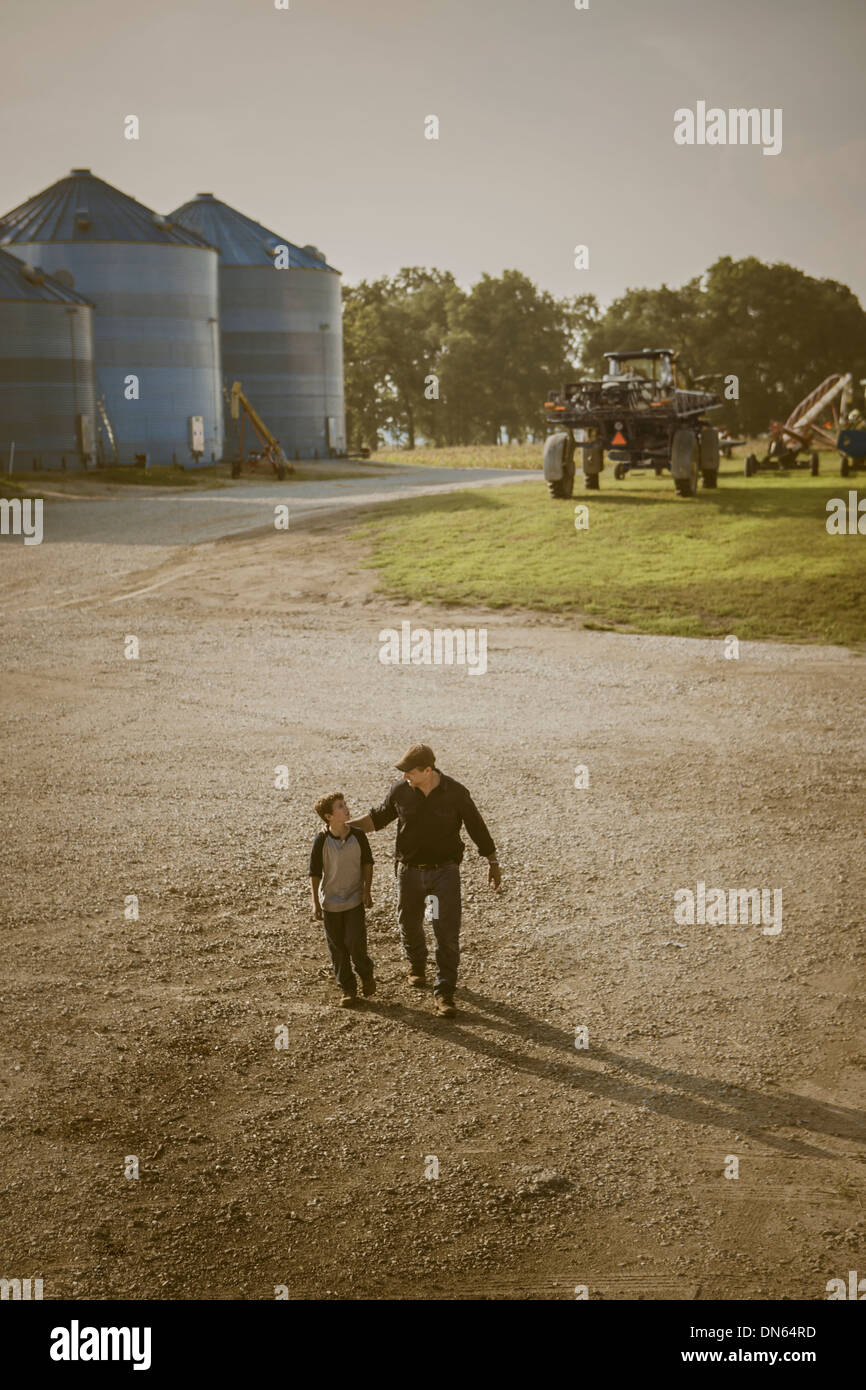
[
  {"x": 281, "y": 327},
  {"x": 156, "y": 330},
  {"x": 46, "y": 371}
]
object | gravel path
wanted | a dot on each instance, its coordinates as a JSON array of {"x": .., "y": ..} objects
[{"x": 305, "y": 1166}]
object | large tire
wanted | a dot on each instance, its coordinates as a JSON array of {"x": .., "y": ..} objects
[
  {"x": 684, "y": 462},
  {"x": 750, "y": 467},
  {"x": 559, "y": 460},
  {"x": 593, "y": 462},
  {"x": 708, "y": 451},
  {"x": 567, "y": 480}
]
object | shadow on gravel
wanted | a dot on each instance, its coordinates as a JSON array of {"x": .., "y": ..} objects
[{"x": 700, "y": 1100}]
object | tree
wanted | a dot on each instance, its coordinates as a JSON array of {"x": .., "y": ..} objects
[
  {"x": 779, "y": 331},
  {"x": 508, "y": 342},
  {"x": 368, "y": 406},
  {"x": 497, "y": 349},
  {"x": 393, "y": 336}
]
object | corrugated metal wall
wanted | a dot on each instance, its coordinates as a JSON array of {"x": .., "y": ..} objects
[
  {"x": 272, "y": 341},
  {"x": 46, "y": 381},
  {"x": 156, "y": 318}
]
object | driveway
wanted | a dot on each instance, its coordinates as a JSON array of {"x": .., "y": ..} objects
[{"x": 140, "y": 516}]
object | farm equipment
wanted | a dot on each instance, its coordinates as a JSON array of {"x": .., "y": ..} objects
[
  {"x": 814, "y": 422},
  {"x": 269, "y": 453},
  {"x": 852, "y": 448},
  {"x": 643, "y": 413},
  {"x": 727, "y": 444}
]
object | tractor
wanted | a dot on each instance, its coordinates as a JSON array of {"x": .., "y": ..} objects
[{"x": 644, "y": 413}]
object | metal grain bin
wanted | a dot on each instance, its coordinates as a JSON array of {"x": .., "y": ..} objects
[
  {"x": 46, "y": 371},
  {"x": 156, "y": 330},
  {"x": 281, "y": 326}
]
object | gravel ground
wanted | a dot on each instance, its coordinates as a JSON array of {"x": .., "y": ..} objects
[{"x": 305, "y": 1166}]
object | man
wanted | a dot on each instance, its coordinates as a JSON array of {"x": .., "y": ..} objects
[{"x": 431, "y": 808}]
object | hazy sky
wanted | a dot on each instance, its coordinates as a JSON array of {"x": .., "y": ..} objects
[{"x": 556, "y": 127}]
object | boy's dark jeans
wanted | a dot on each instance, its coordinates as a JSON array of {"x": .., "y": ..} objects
[
  {"x": 346, "y": 935},
  {"x": 414, "y": 887}
]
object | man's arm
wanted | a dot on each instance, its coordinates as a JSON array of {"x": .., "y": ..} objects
[
  {"x": 474, "y": 822},
  {"x": 379, "y": 816}
]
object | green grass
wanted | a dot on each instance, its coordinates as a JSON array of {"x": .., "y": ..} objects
[
  {"x": 752, "y": 558},
  {"x": 505, "y": 455}
]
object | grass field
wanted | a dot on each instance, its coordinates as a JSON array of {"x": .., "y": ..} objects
[
  {"x": 466, "y": 456},
  {"x": 752, "y": 558}
]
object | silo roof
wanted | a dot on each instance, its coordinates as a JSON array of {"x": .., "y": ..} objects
[
  {"x": 18, "y": 280},
  {"x": 240, "y": 240},
  {"x": 82, "y": 208}
]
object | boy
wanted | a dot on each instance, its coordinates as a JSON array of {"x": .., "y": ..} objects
[{"x": 342, "y": 864}]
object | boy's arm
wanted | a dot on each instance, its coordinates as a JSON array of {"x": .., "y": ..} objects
[
  {"x": 315, "y": 872},
  {"x": 366, "y": 867},
  {"x": 314, "y": 889}
]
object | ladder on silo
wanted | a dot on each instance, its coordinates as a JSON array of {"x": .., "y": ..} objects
[{"x": 105, "y": 431}]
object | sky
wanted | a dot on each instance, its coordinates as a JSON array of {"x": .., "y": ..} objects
[{"x": 556, "y": 127}]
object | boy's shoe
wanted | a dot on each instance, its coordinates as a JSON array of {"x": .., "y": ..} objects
[
  {"x": 347, "y": 1001},
  {"x": 368, "y": 987},
  {"x": 444, "y": 1007},
  {"x": 417, "y": 978}
]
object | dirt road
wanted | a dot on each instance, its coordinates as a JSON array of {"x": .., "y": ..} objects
[{"x": 304, "y": 1166}]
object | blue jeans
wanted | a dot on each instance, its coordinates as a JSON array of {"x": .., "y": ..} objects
[
  {"x": 346, "y": 935},
  {"x": 414, "y": 887}
]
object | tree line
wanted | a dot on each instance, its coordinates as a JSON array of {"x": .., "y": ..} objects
[{"x": 426, "y": 359}]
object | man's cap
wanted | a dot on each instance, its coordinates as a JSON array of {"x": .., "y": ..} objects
[{"x": 419, "y": 755}]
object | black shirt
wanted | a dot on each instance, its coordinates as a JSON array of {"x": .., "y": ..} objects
[{"x": 429, "y": 829}]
